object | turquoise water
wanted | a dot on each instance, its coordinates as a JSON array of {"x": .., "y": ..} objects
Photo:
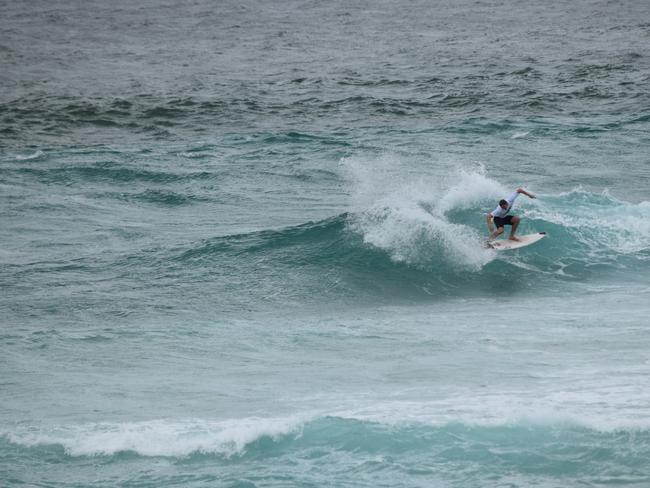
[{"x": 242, "y": 244}]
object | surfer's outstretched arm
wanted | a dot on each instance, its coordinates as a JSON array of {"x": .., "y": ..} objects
[{"x": 529, "y": 195}]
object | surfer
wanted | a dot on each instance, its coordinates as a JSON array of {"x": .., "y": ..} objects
[{"x": 501, "y": 216}]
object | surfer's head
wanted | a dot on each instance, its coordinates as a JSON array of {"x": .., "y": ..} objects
[{"x": 503, "y": 204}]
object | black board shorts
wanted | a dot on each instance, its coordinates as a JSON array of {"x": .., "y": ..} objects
[{"x": 501, "y": 221}]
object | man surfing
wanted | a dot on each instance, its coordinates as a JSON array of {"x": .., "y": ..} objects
[{"x": 501, "y": 216}]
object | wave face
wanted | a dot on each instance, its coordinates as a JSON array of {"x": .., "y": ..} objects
[
  {"x": 325, "y": 448},
  {"x": 428, "y": 238},
  {"x": 403, "y": 237}
]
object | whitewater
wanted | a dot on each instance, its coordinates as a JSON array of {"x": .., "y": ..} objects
[{"x": 243, "y": 244}]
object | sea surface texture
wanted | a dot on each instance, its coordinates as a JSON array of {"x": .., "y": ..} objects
[{"x": 242, "y": 244}]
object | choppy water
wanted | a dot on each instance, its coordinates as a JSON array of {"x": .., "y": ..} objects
[{"x": 242, "y": 244}]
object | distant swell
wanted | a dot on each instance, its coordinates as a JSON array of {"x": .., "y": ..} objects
[
  {"x": 108, "y": 171},
  {"x": 40, "y": 115}
]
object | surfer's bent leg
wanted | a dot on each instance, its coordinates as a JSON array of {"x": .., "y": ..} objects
[
  {"x": 515, "y": 224},
  {"x": 497, "y": 232}
]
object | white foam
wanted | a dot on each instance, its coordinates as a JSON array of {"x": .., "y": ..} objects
[
  {"x": 196, "y": 154},
  {"x": 600, "y": 222},
  {"x": 182, "y": 438},
  {"x": 27, "y": 157},
  {"x": 468, "y": 189},
  {"x": 407, "y": 214},
  {"x": 159, "y": 437},
  {"x": 499, "y": 410}
]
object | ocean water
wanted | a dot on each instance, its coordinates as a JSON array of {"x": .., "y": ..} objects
[{"x": 242, "y": 244}]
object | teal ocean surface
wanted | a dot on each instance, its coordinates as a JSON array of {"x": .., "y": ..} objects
[{"x": 243, "y": 244}]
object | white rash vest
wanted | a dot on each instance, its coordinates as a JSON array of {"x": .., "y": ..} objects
[{"x": 499, "y": 212}]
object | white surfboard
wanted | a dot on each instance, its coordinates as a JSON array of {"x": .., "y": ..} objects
[{"x": 505, "y": 244}]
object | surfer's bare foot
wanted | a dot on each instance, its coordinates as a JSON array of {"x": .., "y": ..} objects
[{"x": 513, "y": 238}]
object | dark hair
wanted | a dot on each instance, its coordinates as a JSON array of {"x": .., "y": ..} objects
[{"x": 503, "y": 202}]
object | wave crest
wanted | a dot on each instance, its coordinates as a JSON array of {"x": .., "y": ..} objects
[
  {"x": 158, "y": 437},
  {"x": 260, "y": 437}
]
